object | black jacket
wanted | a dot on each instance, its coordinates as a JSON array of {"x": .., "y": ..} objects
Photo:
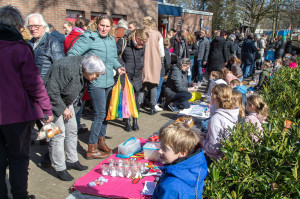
[
  {"x": 166, "y": 65},
  {"x": 48, "y": 51},
  {"x": 177, "y": 46},
  {"x": 177, "y": 82},
  {"x": 133, "y": 59},
  {"x": 64, "y": 82},
  {"x": 248, "y": 50},
  {"x": 231, "y": 48},
  {"x": 218, "y": 54}
]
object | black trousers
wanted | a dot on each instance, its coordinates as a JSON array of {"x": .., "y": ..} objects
[
  {"x": 14, "y": 153},
  {"x": 181, "y": 99}
]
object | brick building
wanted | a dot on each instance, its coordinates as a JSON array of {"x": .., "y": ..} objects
[{"x": 57, "y": 12}]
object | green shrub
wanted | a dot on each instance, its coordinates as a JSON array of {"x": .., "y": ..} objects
[
  {"x": 269, "y": 168},
  {"x": 283, "y": 94}
]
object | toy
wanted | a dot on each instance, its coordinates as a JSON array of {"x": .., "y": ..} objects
[{"x": 100, "y": 181}]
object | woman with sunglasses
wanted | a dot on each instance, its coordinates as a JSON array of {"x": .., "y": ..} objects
[{"x": 177, "y": 88}]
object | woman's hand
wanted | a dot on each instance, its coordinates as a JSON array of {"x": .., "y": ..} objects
[
  {"x": 192, "y": 89},
  {"x": 121, "y": 70},
  {"x": 68, "y": 114}
]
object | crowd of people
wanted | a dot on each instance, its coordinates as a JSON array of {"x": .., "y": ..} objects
[{"x": 50, "y": 78}]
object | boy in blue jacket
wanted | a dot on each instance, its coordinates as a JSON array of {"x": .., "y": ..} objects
[
  {"x": 238, "y": 86},
  {"x": 185, "y": 167}
]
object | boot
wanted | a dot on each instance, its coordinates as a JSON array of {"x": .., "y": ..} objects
[
  {"x": 64, "y": 175},
  {"x": 102, "y": 145},
  {"x": 94, "y": 153},
  {"x": 135, "y": 126},
  {"x": 152, "y": 110},
  {"x": 76, "y": 165},
  {"x": 127, "y": 125}
]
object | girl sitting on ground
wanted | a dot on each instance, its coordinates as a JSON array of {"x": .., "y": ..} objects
[
  {"x": 237, "y": 101},
  {"x": 236, "y": 67},
  {"x": 222, "y": 119},
  {"x": 258, "y": 112},
  {"x": 228, "y": 76},
  {"x": 177, "y": 88},
  {"x": 277, "y": 65}
]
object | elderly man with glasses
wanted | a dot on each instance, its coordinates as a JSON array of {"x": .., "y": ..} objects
[{"x": 47, "y": 49}]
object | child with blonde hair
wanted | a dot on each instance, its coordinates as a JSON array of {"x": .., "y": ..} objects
[
  {"x": 258, "y": 112},
  {"x": 228, "y": 76},
  {"x": 238, "y": 86},
  {"x": 222, "y": 119},
  {"x": 237, "y": 101},
  {"x": 185, "y": 167},
  {"x": 236, "y": 67}
]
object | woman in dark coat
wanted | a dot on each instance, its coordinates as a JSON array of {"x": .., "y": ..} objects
[
  {"x": 218, "y": 55},
  {"x": 131, "y": 51},
  {"x": 177, "y": 88},
  {"x": 279, "y": 48},
  {"x": 248, "y": 50}
]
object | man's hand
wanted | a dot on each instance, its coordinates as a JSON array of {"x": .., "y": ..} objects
[
  {"x": 121, "y": 70},
  {"x": 204, "y": 63},
  {"x": 68, "y": 114},
  {"x": 50, "y": 119}
]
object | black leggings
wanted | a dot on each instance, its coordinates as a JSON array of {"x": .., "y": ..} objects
[{"x": 181, "y": 99}]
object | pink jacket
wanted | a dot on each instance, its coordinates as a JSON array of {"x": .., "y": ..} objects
[
  {"x": 229, "y": 77},
  {"x": 253, "y": 118},
  {"x": 23, "y": 96}
]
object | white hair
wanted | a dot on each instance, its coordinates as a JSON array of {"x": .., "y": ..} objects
[
  {"x": 232, "y": 37},
  {"x": 122, "y": 24},
  {"x": 93, "y": 64},
  {"x": 43, "y": 22}
]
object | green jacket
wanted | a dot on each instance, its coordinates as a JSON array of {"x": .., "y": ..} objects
[
  {"x": 105, "y": 48},
  {"x": 264, "y": 74}
]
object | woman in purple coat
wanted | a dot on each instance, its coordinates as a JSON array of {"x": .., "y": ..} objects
[{"x": 23, "y": 99}]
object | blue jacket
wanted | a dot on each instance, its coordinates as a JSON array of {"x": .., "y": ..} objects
[
  {"x": 105, "y": 48},
  {"x": 242, "y": 89},
  {"x": 181, "y": 180},
  {"x": 48, "y": 51}
]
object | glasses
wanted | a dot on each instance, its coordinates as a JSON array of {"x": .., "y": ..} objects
[{"x": 34, "y": 26}]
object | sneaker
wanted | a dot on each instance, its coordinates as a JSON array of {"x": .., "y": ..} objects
[
  {"x": 173, "y": 108},
  {"x": 157, "y": 108}
]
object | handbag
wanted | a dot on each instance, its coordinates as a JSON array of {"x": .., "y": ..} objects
[{"x": 122, "y": 103}]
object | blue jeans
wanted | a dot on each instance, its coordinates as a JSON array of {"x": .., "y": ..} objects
[
  {"x": 247, "y": 69},
  {"x": 200, "y": 70},
  {"x": 78, "y": 114},
  {"x": 191, "y": 69},
  {"x": 252, "y": 71},
  {"x": 161, "y": 81},
  {"x": 99, "y": 98}
]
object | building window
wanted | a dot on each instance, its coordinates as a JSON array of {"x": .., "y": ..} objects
[{"x": 72, "y": 15}]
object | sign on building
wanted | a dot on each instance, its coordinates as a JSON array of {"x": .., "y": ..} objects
[{"x": 179, "y": 23}]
